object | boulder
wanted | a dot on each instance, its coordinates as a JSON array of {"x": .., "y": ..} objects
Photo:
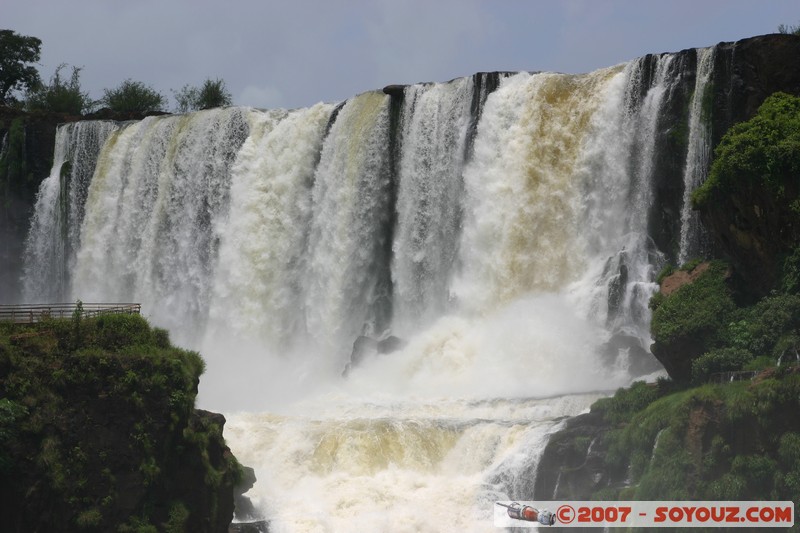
[{"x": 364, "y": 347}]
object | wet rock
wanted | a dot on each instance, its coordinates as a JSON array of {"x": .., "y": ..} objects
[
  {"x": 261, "y": 526},
  {"x": 391, "y": 344},
  {"x": 364, "y": 347},
  {"x": 244, "y": 511},
  {"x": 572, "y": 466}
]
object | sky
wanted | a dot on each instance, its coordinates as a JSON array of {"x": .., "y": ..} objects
[{"x": 295, "y": 53}]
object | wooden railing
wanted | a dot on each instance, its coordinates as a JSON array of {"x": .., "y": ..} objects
[{"x": 30, "y": 313}]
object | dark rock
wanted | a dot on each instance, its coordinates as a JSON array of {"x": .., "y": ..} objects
[
  {"x": 244, "y": 510},
  {"x": 749, "y": 227},
  {"x": 364, "y": 347},
  {"x": 390, "y": 344},
  {"x": 677, "y": 356},
  {"x": 640, "y": 361},
  {"x": 572, "y": 466},
  {"x": 394, "y": 90},
  {"x": 261, "y": 526}
]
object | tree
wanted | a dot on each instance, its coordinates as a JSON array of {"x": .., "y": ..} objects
[
  {"x": 790, "y": 30},
  {"x": 133, "y": 97},
  {"x": 16, "y": 52},
  {"x": 764, "y": 150},
  {"x": 212, "y": 93},
  {"x": 60, "y": 96}
]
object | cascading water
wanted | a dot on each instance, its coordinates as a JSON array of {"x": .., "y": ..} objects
[
  {"x": 153, "y": 212},
  {"x": 434, "y": 128},
  {"x": 697, "y": 157},
  {"x": 258, "y": 287},
  {"x": 350, "y": 211},
  {"x": 501, "y": 229},
  {"x": 55, "y": 229}
]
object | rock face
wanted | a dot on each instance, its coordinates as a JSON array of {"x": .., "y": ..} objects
[
  {"x": 572, "y": 465},
  {"x": 26, "y": 155},
  {"x": 690, "y": 318},
  {"x": 750, "y": 226},
  {"x": 364, "y": 347},
  {"x": 27, "y": 142}
]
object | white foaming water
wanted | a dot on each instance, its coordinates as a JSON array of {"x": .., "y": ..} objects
[
  {"x": 350, "y": 207},
  {"x": 54, "y": 235},
  {"x": 269, "y": 240},
  {"x": 258, "y": 286},
  {"x": 337, "y": 464},
  {"x": 434, "y": 123},
  {"x": 153, "y": 210},
  {"x": 697, "y": 156},
  {"x": 521, "y": 213}
]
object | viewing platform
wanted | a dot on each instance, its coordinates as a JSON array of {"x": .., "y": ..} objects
[{"x": 31, "y": 313}]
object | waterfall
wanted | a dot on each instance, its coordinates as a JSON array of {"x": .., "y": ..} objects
[
  {"x": 697, "y": 157},
  {"x": 54, "y": 236},
  {"x": 434, "y": 128},
  {"x": 350, "y": 210},
  {"x": 153, "y": 211},
  {"x": 503, "y": 225},
  {"x": 258, "y": 286}
]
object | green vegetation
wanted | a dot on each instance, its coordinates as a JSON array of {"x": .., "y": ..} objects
[
  {"x": 763, "y": 151},
  {"x": 212, "y": 93},
  {"x": 716, "y": 442},
  {"x": 686, "y": 438},
  {"x": 699, "y": 311},
  {"x": 61, "y": 95},
  {"x": 702, "y": 322},
  {"x": 98, "y": 414},
  {"x": 18, "y": 53},
  {"x": 789, "y": 29},
  {"x": 13, "y": 167},
  {"x": 133, "y": 97}
]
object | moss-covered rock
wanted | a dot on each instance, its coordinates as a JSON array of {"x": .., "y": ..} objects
[
  {"x": 732, "y": 441},
  {"x": 751, "y": 199},
  {"x": 691, "y": 320},
  {"x": 100, "y": 432}
]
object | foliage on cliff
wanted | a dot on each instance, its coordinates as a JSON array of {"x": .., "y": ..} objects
[
  {"x": 764, "y": 150},
  {"x": 715, "y": 442},
  {"x": 61, "y": 95},
  {"x": 700, "y": 330},
  {"x": 751, "y": 199},
  {"x": 99, "y": 431},
  {"x": 686, "y": 438},
  {"x": 692, "y": 320}
]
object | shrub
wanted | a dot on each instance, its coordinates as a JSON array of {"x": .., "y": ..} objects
[
  {"x": 89, "y": 519},
  {"x": 789, "y": 29},
  {"x": 762, "y": 151},
  {"x": 721, "y": 360},
  {"x": 61, "y": 96},
  {"x": 133, "y": 97},
  {"x": 212, "y": 93},
  {"x": 700, "y": 310},
  {"x": 626, "y": 402}
]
